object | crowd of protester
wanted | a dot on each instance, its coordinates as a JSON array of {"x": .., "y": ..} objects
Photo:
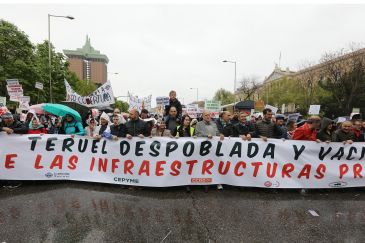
[{"x": 176, "y": 124}]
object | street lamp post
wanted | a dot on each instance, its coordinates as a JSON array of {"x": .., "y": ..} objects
[
  {"x": 49, "y": 50},
  {"x": 235, "y": 74},
  {"x": 197, "y": 94}
]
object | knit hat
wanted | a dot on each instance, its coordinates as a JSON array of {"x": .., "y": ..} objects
[{"x": 7, "y": 115}]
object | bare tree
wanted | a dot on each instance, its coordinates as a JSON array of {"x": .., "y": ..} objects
[
  {"x": 307, "y": 78},
  {"x": 344, "y": 74},
  {"x": 249, "y": 85}
]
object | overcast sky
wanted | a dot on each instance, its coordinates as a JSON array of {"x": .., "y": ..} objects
[{"x": 159, "y": 47}]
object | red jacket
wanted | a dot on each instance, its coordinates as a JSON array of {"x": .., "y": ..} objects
[
  {"x": 305, "y": 133},
  {"x": 37, "y": 131}
]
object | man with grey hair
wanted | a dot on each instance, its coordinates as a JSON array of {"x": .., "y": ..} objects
[
  {"x": 10, "y": 125},
  {"x": 208, "y": 128}
]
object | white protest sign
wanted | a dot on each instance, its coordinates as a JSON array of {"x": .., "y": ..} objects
[
  {"x": 24, "y": 98},
  {"x": 192, "y": 110},
  {"x": 163, "y": 100},
  {"x": 101, "y": 97},
  {"x": 2, "y": 101},
  {"x": 214, "y": 107},
  {"x": 39, "y": 85},
  {"x": 341, "y": 119},
  {"x": 293, "y": 117},
  {"x": 152, "y": 162},
  {"x": 139, "y": 103},
  {"x": 13, "y": 81},
  {"x": 23, "y": 105},
  {"x": 314, "y": 109},
  {"x": 272, "y": 108}
]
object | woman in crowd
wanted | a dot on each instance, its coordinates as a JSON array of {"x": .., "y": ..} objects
[
  {"x": 325, "y": 134},
  {"x": 103, "y": 127},
  {"x": 90, "y": 130},
  {"x": 160, "y": 130},
  {"x": 35, "y": 127},
  {"x": 292, "y": 125},
  {"x": 72, "y": 127},
  {"x": 184, "y": 130}
]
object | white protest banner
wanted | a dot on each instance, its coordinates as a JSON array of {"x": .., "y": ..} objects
[
  {"x": 2, "y": 101},
  {"x": 139, "y": 103},
  {"x": 39, "y": 85},
  {"x": 272, "y": 108},
  {"x": 101, "y": 97},
  {"x": 162, "y": 162},
  {"x": 314, "y": 109}
]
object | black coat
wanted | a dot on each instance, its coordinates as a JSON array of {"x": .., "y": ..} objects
[
  {"x": 241, "y": 129},
  {"x": 178, "y": 106},
  {"x": 119, "y": 130},
  {"x": 136, "y": 127},
  {"x": 17, "y": 126},
  {"x": 227, "y": 130}
]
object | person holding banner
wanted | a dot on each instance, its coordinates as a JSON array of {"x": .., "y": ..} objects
[
  {"x": 103, "y": 127},
  {"x": 344, "y": 134},
  {"x": 242, "y": 128},
  {"x": 358, "y": 133},
  {"x": 135, "y": 126},
  {"x": 35, "y": 127},
  {"x": 184, "y": 130},
  {"x": 266, "y": 128},
  {"x": 206, "y": 127},
  {"x": 224, "y": 124},
  {"x": 118, "y": 128},
  {"x": 325, "y": 134},
  {"x": 308, "y": 131},
  {"x": 160, "y": 130},
  {"x": 72, "y": 127},
  {"x": 9, "y": 125}
]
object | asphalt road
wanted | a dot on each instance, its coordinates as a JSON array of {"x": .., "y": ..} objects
[{"x": 88, "y": 212}]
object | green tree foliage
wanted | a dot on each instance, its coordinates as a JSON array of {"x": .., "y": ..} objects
[
  {"x": 20, "y": 59},
  {"x": 59, "y": 73},
  {"x": 85, "y": 87},
  {"x": 286, "y": 91},
  {"x": 16, "y": 58},
  {"x": 123, "y": 106},
  {"x": 224, "y": 96}
]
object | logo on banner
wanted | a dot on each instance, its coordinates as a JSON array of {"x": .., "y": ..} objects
[
  {"x": 126, "y": 180},
  {"x": 49, "y": 174},
  {"x": 338, "y": 184},
  {"x": 270, "y": 184},
  {"x": 201, "y": 180}
]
